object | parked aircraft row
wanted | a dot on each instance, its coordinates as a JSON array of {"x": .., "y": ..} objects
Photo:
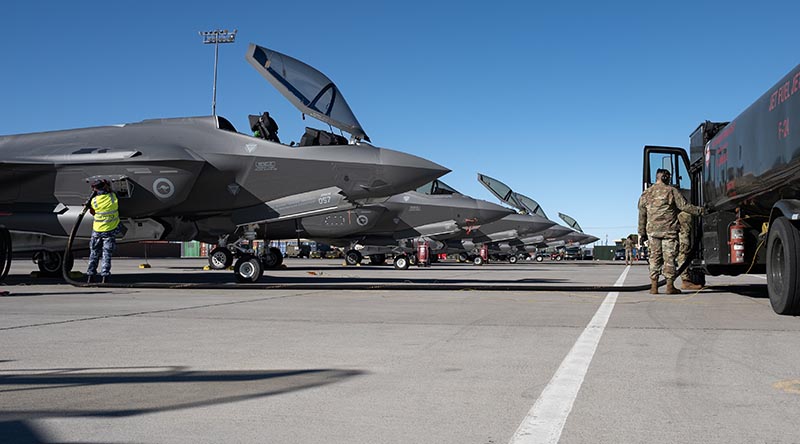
[{"x": 198, "y": 178}]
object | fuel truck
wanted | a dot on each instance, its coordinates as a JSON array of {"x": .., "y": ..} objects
[{"x": 746, "y": 173}]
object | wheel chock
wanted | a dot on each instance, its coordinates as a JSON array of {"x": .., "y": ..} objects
[
  {"x": 145, "y": 266},
  {"x": 207, "y": 268}
]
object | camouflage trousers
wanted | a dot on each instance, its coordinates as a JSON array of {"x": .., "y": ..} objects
[
  {"x": 684, "y": 240},
  {"x": 101, "y": 246},
  {"x": 662, "y": 257}
]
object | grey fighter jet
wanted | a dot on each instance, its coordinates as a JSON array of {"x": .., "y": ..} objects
[
  {"x": 186, "y": 178},
  {"x": 393, "y": 226},
  {"x": 556, "y": 235}
]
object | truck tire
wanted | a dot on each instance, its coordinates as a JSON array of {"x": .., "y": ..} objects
[{"x": 783, "y": 267}]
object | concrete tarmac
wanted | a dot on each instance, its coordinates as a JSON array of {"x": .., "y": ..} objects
[{"x": 209, "y": 366}]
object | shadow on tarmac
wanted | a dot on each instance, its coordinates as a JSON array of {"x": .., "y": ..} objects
[
  {"x": 758, "y": 291},
  {"x": 120, "y": 392},
  {"x": 273, "y": 277}
]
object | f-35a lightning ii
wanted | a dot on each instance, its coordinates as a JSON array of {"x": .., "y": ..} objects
[{"x": 190, "y": 178}]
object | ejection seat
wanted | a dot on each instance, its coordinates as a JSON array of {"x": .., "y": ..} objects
[{"x": 264, "y": 127}]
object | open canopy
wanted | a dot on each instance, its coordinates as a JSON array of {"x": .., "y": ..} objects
[
  {"x": 516, "y": 200},
  {"x": 307, "y": 89},
  {"x": 570, "y": 222}
]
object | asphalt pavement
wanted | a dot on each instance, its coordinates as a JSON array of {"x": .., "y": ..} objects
[{"x": 137, "y": 365}]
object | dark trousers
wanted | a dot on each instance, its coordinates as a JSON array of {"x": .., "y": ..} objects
[{"x": 101, "y": 246}]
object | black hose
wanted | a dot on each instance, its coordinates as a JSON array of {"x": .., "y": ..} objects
[{"x": 68, "y": 249}]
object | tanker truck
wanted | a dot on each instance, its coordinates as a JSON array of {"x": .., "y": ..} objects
[{"x": 746, "y": 173}]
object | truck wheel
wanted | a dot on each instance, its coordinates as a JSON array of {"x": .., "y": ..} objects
[
  {"x": 248, "y": 269},
  {"x": 401, "y": 262},
  {"x": 220, "y": 258},
  {"x": 352, "y": 257},
  {"x": 783, "y": 267},
  {"x": 478, "y": 260}
]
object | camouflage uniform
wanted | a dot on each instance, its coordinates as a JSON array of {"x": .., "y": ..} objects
[
  {"x": 627, "y": 243},
  {"x": 101, "y": 247},
  {"x": 684, "y": 241},
  {"x": 658, "y": 218}
]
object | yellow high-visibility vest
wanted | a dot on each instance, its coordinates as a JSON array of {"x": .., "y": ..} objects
[{"x": 106, "y": 212}]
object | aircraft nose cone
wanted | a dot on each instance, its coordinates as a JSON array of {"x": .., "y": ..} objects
[
  {"x": 403, "y": 172},
  {"x": 489, "y": 212}
]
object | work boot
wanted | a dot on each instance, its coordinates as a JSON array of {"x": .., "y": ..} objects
[
  {"x": 653, "y": 286},
  {"x": 671, "y": 288},
  {"x": 686, "y": 284}
]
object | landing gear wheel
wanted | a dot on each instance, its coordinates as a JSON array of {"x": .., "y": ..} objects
[
  {"x": 558, "y": 258},
  {"x": 783, "y": 267},
  {"x": 377, "y": 259},
  {"x": 539, "y": 258},
  {"x": 513, "y": 259},
  {"x": 220, "y": 258},
  {"x": 248, "y": 269},
  {"x": 270, "y": 260},
  {"x": 478, "y": 260},
  {"x": 278, "y": 254},
  {"x": 463, "y": 257},
  {"x": 352, "y": 257},
  {"x": 401, "y": 262},
  {"x": 51, "y": 263}
]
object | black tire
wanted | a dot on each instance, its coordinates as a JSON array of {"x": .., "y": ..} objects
[
  {"x": 377, "y": 259},
  {"x": 401, "y": 262},
  {"x": 5, "y": 253},
  {"x": 513, "y": 259},
  {"x": 478, "y": 260},
  {"x": 783, "y": 267},
  {"x": 352, "y": 257},
  {"x": 539, "y": 258},
  {"x": 51, "y": 263},
  {"x": 463, "y": 257},
  {"x": 220, "y": 258},
  {"x": 248, "y": 269},
  {"x": 270, "y": 260},
  {"x": 277, "y": 252},
  {"x": 559, "y": 258}
]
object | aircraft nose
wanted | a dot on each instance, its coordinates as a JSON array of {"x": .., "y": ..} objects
[
  {"x": 490, "y": 212},
  {"x": 403, "y": 172}
]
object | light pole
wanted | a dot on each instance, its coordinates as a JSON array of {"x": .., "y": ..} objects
[{"x": 216, "y": 37}]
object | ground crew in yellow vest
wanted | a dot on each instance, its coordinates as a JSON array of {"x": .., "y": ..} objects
[
  {"x": 105, "y": 209},
  {"x": 658, "y": 222}
]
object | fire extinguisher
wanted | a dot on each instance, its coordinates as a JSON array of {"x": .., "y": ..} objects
[
  {"x": 736, "y": 241},
  {"x": 423, "y": 250},
  {"x": 484, "y": 252}
]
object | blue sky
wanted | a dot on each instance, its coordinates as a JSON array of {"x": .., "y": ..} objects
[{"x": 557, "y": 100}]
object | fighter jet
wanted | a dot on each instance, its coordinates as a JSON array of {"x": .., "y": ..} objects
[
  {"x": 394, "y": 225},
  {"x": 176, "y": 176},
  {"x": 556, "y": 235}
]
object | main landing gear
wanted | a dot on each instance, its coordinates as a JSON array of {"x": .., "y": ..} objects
[{"x": 248, "y": 265}]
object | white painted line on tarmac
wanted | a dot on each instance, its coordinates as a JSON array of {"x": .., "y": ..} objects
[{"x": 547, "y": 417}]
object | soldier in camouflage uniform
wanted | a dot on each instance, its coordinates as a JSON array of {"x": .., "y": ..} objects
[
  {"x": 684, "y": 245},
  {"x": 658, "y": 221}
]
